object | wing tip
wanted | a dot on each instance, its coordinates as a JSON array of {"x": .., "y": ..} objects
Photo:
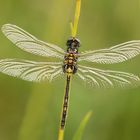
[{"x": 6, "y": 26}]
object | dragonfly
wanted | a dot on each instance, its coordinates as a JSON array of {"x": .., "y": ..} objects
[{"x": 69, "y": 62}]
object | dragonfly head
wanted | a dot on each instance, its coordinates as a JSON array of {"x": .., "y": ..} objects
[{"x": 73, "y": 44}]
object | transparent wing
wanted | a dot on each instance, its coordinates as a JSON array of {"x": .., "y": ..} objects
[
  {"x": 115, "y": 54},
  {"x": 30, "y": 70},
  {"x": 31, "y": 44},
  {"x": 107, "y": 78}
]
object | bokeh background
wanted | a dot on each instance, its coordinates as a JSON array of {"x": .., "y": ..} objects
[{"x": 30, "y": 111}]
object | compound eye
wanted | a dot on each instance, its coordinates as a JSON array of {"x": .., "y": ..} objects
[
  {"x": 69, "y": 42},
  {"x": 77, "y": 43}
]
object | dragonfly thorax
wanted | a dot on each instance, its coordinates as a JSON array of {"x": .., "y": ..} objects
[{"x": 70, "y": 59}]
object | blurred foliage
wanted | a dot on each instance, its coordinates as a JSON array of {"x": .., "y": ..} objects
[
  {"x": 31, "y": 111},
  {"x": 78, "y": 134}
]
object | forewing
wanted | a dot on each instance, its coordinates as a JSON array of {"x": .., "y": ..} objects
[
  {"x": 107, "y": 78},
  {"x": 115, "y": 54},
  {"x": 30, "y": 70},
  {"x": 31, "y": 44}
]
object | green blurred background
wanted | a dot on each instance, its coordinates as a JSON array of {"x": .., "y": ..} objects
[{"x": 31, "y": 111}]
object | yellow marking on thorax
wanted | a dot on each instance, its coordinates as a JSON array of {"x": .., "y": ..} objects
[
  {"x": 70, "y": 61},
  {"x": 70, "y": 57},
  {"x": 69, "y": 70}
]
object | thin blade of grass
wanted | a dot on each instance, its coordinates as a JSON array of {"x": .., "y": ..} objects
[{"x": 80, "y": 130}]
